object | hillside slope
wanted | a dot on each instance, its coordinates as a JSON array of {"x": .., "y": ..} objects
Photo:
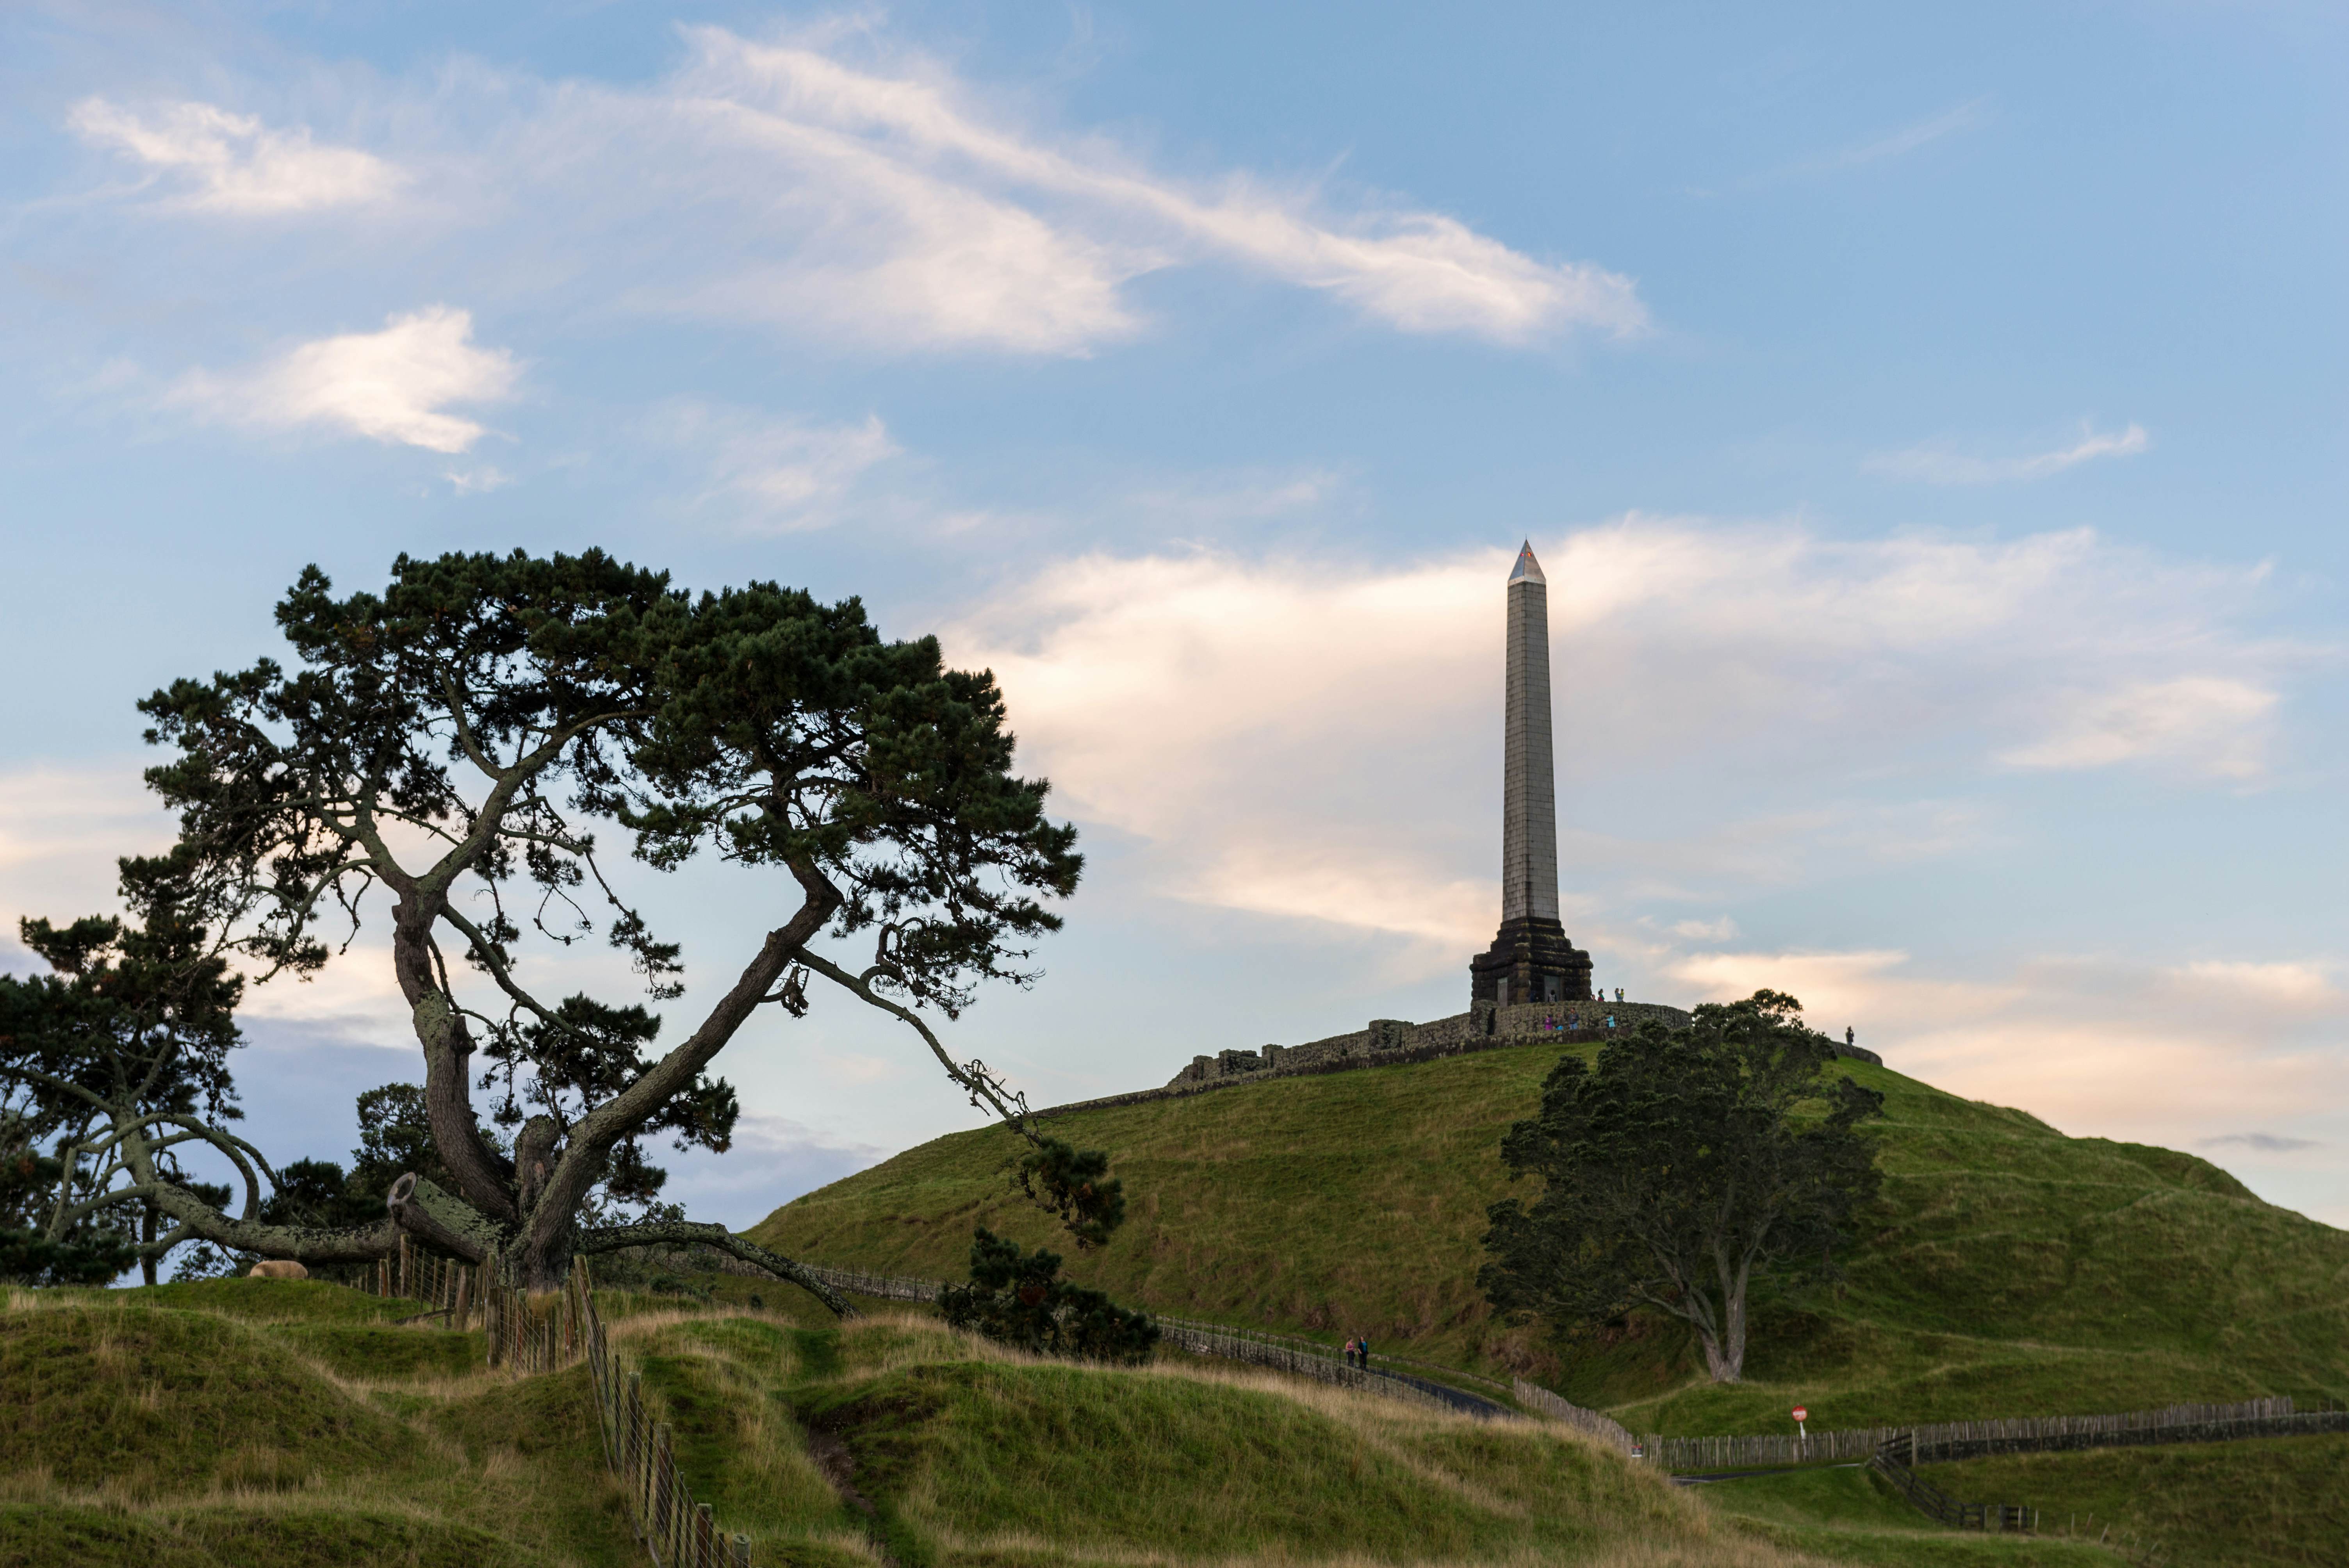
[
  {"x": 282, "y": 1424},
  {"x": 209, "y": 1432},
  {"x": 2011, "y": 1270}
]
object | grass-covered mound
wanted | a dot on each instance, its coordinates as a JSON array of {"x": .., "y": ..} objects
[
  {"x": 2281, "y": 1502},
  {"x": 212, "y": 1431},
  {"x": 2011, "y": 1270},
  {"x": 892, "y": 1434},
  {"x": 276, "y": 1424},
  {"x": 1846, "y": 1514}
]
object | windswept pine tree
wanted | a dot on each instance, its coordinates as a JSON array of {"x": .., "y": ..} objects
[{"x": 445, "y": 763}]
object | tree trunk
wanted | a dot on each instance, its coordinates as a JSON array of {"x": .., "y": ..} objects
[
  {"x": 147, "y": 1223},
  {"x": 1725, "y": 1354}
]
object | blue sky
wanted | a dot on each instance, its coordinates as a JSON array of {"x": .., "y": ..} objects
[{"x": 1931, "y": 422}]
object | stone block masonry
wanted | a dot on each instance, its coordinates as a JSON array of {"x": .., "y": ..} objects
[{"x": 1391, "y": 1042}]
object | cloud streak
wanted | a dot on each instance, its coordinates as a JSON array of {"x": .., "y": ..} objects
[
  {"x": 230, "y": 164},
  {"x": 883, "y": 203},
  {"x": 394, "y": 385},
  {"x": 779, "y": 476},
  {"x": 1943, "y": 465}
]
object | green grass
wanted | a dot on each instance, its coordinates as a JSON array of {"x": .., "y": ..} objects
[
  {"x": 1848, "y": 1515},
  {"x": 2010, "y": 1270},
  {"x": 274, "y": 1424},
  {"x": 893, "y": 1434},
  {"x": 2273, "y": 1502},
  {"x": 223, "y": 1425}
]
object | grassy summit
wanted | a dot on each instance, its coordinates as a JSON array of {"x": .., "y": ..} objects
[{"x": 2012, "y": 1271}]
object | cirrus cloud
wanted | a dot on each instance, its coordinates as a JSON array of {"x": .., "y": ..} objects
[
  {"x": 1942, "y": 464},
  {"x": 883, "y": 201}
]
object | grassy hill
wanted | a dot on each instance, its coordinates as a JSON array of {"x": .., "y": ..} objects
[
  {"x": 277, "y": 1424},
  {"x": 2011, "y": 1271},
  {"x": 267, "y": 1425}
]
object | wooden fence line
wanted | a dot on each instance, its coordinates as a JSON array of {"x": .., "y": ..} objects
[
  {"x": 676, "y": 1531},
  {"x": 1944, "y": 1440},
  {"x": 1895, "y": 1460},
  {"x": 1590, "y": 1422},
  {"x": 544, "y": 1337}
]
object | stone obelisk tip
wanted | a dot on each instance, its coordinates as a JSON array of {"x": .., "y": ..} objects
[{"x": 1528, "y": 569}]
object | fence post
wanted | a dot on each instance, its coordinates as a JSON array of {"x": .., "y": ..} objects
[
  {"x": 742, "y": 1551},
  {"x": 664, "y": 1489}
]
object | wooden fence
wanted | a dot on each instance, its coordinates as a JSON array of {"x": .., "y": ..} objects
[
  {"x": 1945, "y": 1440},
  {"x": 1590, "y": 1422},
  {"x": 527, "y": 1337},
  {"x": 1896, "y": 1462},
  {"x": 676, "y": 1532},
  {"x": 546, "y": 1334}
]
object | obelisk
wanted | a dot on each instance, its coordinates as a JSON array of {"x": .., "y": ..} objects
[{"x": 1530, "y": 959}]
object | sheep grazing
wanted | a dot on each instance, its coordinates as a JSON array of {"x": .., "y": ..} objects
[{"x": 278, "y": 1268}]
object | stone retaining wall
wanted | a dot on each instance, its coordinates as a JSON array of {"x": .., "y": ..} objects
[{"x": 1391, "y": 1042}]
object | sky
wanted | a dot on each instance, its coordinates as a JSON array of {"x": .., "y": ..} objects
[{"x": 1930, "y": 421}]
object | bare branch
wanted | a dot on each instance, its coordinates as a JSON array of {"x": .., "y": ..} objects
[{"x": 653, "y": 1232}]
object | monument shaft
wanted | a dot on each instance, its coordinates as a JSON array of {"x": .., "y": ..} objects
[
  {"x": 1530, "y": 959},
  {"x": 1528, "y": 776}
]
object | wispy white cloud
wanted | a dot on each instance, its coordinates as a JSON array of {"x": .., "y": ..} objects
[
  {"x": 1942, "y": 464},
  {"x": 1909, "y": 137},
  {"x": 781, "y": 475},
  {"x": 225, "y": 162},
  {"x": 393, "y": 385},
  {"x": 1721, "y": 930},
  {"x": 478, "y": 481},
  {"x": 2215, "y": 725},
  {"x": 1882, "y": 148},
  {"x": 915, "y": 138},
  {"x": 829, "y": 184}
]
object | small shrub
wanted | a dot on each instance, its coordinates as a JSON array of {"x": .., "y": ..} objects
[{"x": 1019, "y": 1299}]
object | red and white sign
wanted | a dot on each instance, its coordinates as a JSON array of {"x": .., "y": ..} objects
[{"x": 1801, "y": 1414}]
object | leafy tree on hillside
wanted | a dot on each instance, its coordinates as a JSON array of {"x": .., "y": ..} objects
[
  {"x": 1020, "y": 1299},
  {"x": 1678, "y": 1169},
  {"x": 440, "y": 764}
]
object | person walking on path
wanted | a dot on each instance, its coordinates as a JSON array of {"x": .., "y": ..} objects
[
  {"x": 1363, "y": 1341},
  {"x": 1350, "y": 1354}
]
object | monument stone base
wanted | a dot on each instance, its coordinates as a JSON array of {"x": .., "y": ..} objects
[{"x": 1530, "y": 961}]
